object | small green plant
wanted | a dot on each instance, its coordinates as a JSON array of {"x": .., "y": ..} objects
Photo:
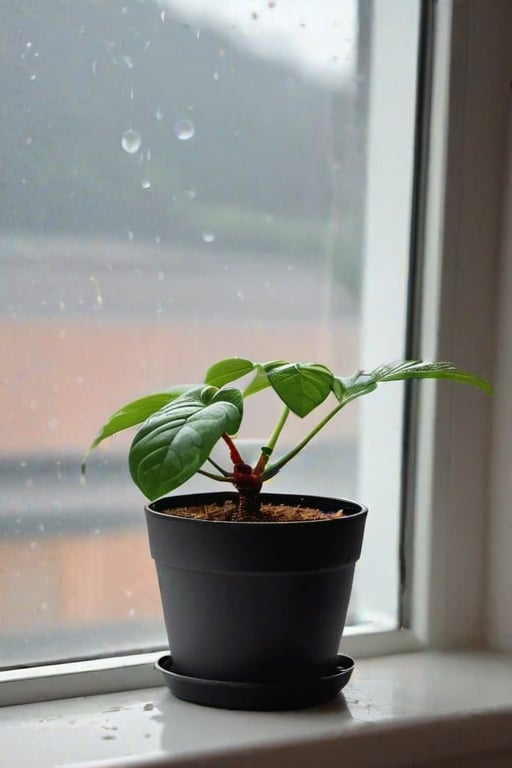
[{"x": 181, "y": 425}]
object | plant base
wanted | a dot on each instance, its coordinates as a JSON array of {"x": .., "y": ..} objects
[{"x": 285, "y": 695}]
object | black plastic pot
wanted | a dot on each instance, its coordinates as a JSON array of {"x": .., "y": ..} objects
[{"x": 255, "y": 604}]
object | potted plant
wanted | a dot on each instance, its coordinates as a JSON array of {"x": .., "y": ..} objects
[{"x": 255, "y": 586}]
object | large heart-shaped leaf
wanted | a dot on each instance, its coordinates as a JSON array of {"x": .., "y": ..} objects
[
  {"x": 176, "y": 441},
  {"x": 134, "y": 413},
  {"x": 301, "y": 386}
]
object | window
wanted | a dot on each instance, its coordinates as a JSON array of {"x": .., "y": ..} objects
[{"x": 185, "y": 181}]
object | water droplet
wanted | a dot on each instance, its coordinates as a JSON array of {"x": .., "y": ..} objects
[
  {"x": 146, "y": 184},
  {"x": 184, "y": 129},
  {"x": 40, "y": 527},
  {"x": 160, "y": 277},
  {"x": 148, "y": 155},
  {"x": 131, "y": 141},
  {"x": 132, "y": 94},
  {"x": 62, "y": 306},
  {"x": 29, "y": 483},
  {"x": 130, "y": 235},
  {"x": 191, "y": 193},
  {"x": 215, "y": 75},
  {"x": 198, "y": 34},
  {"x": 128, "y": 592},
  {"x": 208, "y": 237},
  {"x": 93, "y": 69},
  {"x": 159, "y": 112},
  {"x": 128, "y": 61},
  {"x": 34, "y": 545},
  {"x": 240, "y": 295},
  {"x": 162, "y": 16},
  {"x": 131, "y": 613},
  {"x": 53, "y": 423},
  {"x": 44, "y": 606},
  {"x": 33, "y": 76}
]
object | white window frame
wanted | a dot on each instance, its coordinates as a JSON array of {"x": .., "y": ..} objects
[{"x": 457, "y": 553}]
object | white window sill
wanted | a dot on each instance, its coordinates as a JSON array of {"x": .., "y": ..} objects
[{"x": 424, "y": 709}]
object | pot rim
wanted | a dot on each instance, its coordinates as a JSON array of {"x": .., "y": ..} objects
[{"x": 359, "y": 509}]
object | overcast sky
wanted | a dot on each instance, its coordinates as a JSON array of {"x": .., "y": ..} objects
[{"x": 316, "y": 37}]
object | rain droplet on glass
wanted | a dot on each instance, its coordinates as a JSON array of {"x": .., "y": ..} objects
[
  {"x": 240, "y": 295},
  {"x": 184, "y": 129},
  {"x": 130, "y": 235},
  {"x": 159, "y": 113},
  {"x": 208, "y": 237},
  {"x": 131, "y": 141},
  {"x": 93, "y": 69},
  {"x": 128, "y": 61},
  {"x": 191, "y": 193},
  {"x": 33, "y": 76},
  {"x": 132, "y": 94},
  {"x": 146, "y": 184}
]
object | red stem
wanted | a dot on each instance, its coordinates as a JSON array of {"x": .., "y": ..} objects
[{"x": 233, "y": 450}]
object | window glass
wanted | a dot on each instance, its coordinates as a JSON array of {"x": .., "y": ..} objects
[{"x": 181, "y": 181}]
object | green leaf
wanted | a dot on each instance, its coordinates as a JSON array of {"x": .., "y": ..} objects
[
  {"x": 362, "y": 383},
  {"x": 226, "y": 371},
  {"x": 354, "y": 386},
  {"x": 417, "y": 369},
  {"x": 132, "y": 414},
  {"x": 301, "y": 386},
  {"x": 176, "y": 441},
  {"x": 338, "y": 388},
  {"x": 261, "y": 381}
]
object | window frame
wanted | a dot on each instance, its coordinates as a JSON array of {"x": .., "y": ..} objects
[{"x": 471, "y": 62}]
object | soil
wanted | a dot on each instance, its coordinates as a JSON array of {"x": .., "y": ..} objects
[{"x": 270, "y": 513}]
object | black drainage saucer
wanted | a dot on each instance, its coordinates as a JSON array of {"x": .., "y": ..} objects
[{"x": 294, "y": 694}]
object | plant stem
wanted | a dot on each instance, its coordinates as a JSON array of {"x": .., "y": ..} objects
[
  {"x": 220, "y": 478},
  {"x": 236, "y": 458},
  {"x": 267, "y": 449},
  {"x": 217, "y": 466},
  {"x": 273, "y": 469}
]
